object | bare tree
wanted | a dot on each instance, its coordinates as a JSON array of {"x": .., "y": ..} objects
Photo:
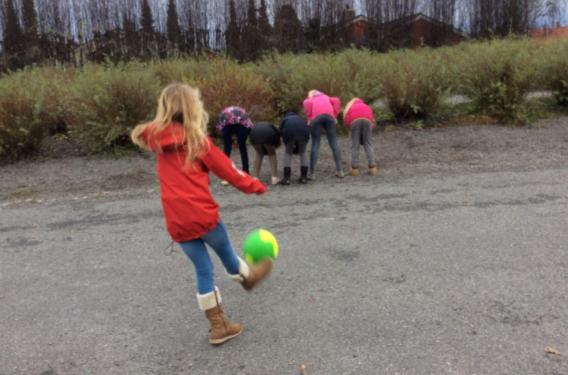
[
  {"x": 73, "y": 31},
  {"x": 504, "y": 17},
  {"x": 443, "y": 10},
  {"x": 147, "y": 18},
  {"x": 251, "y": 42},
  {"x": 381, "y": 12},
  {"x": 13, "y": 34},
  {"x": 233, "y": 33},
  {"x": 288, "y": 30},
  {"x": 173, "y": 30}
]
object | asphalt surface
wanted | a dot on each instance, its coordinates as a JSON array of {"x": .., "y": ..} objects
[{"x": 443, "y": 273}]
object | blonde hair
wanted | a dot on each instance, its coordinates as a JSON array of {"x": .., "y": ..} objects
[
  {"x": 312, "y": 93},
  {"x": 348, "y": 105},
  {"x": 177, "y": 103}
]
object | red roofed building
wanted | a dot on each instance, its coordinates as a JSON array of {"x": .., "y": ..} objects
[
  {"x": 359, "y": 30},
  {"x": 417, "y": 30},
  {"x": 550, "y": 33}
]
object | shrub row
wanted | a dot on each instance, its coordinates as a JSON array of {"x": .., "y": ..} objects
[
  {"x": 31, "y": 107},
  {"x": 98, "y": 105}
]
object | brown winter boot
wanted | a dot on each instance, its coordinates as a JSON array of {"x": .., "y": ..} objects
[
  {"x": 354, "y": 171},
  {"x": 372, "y": 170},
  {"x": 250, "y": 275},
  {"x": 222, "y": 329}
]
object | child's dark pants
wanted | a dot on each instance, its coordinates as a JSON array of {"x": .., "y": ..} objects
[{"x": 242, "y": 133}]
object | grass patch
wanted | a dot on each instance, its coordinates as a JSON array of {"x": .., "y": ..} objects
[{"x": 97, "y": 106}]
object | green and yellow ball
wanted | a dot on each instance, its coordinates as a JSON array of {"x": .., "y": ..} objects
[{"x": 260, "y": 244}]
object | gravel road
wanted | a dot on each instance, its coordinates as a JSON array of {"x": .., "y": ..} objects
[{"x": 453, "y": 260}]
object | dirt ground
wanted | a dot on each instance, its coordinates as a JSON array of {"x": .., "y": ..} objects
[{"x": 400, "y": 152}]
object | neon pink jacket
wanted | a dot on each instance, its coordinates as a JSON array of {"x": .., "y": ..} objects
[
  {"x": 321, "y": 104},
  {"x": 358, "y": 110}
]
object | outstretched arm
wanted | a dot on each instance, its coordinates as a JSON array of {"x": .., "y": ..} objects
[
  {"x": 336, "y": 103},
  {"x": 224, "y": 168}
]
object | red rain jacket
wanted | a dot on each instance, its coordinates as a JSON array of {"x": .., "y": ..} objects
[{"x": 189, "y": 208}]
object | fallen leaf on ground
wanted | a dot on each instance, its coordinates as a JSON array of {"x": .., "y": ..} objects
[{"x": 550, "y": 350}]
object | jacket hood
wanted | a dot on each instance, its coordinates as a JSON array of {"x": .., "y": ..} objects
[
  {"x": 172, "y": 137},
  {"x": 353, "y": 102}
]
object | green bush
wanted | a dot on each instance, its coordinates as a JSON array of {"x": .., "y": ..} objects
[
  {"x": 556, "y": 71},
  {"x": 414, "y": 83},
  {"x": 346, "y": 75},
  {"x": 497, "y": 76},
  {"x": 224, "y": 82},
  {"x": 31, "y": 108},
  {"x": 361, "y": 71},
  {"x": 98, "y": 105},
  {"x": 292, "y": 76},
  {"x": 169, "y": 71},
  {"x": 107, "y": 102}
]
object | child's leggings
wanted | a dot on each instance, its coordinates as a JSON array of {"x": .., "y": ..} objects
[
  {"x": 288, "y": 159},
  {"x": 262, "y": 150},
  {"x": 296, "y": 145},
  {"x": 361, "y": 134},
  {"x": 218, "y": 240}
]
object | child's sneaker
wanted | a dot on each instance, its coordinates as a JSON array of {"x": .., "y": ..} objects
[
  {"x": 275, "y": 181},
  {"x": 339, "y": 174}
]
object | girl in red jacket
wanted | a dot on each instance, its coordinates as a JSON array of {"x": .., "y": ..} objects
[
  {"x": 360, "y": 118},
  {"x": 185, "y": 156}
]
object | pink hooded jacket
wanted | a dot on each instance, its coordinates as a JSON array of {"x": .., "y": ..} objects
[
  {"x": 321, "y": 104},
  {"x": 358, "y": 110}
]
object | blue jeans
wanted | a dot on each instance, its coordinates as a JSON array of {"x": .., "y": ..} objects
[
  {"x": 330, "y": 125},
  {"x": 218, "y": 240}
]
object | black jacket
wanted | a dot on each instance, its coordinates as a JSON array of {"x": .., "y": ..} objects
[
  {"x": 294, "y": 127},
  {"x": 264, "y": 133}
]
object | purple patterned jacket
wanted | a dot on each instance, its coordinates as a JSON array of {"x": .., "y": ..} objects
[{"x": 232, "y": 116}]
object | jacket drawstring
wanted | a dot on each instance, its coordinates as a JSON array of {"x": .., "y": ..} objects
[{"x": 169, "y": 250}]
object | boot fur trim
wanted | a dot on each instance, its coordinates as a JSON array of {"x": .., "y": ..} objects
[
  {"x": 209, "y": 300},
  {"x": 244, "y": 272}
]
